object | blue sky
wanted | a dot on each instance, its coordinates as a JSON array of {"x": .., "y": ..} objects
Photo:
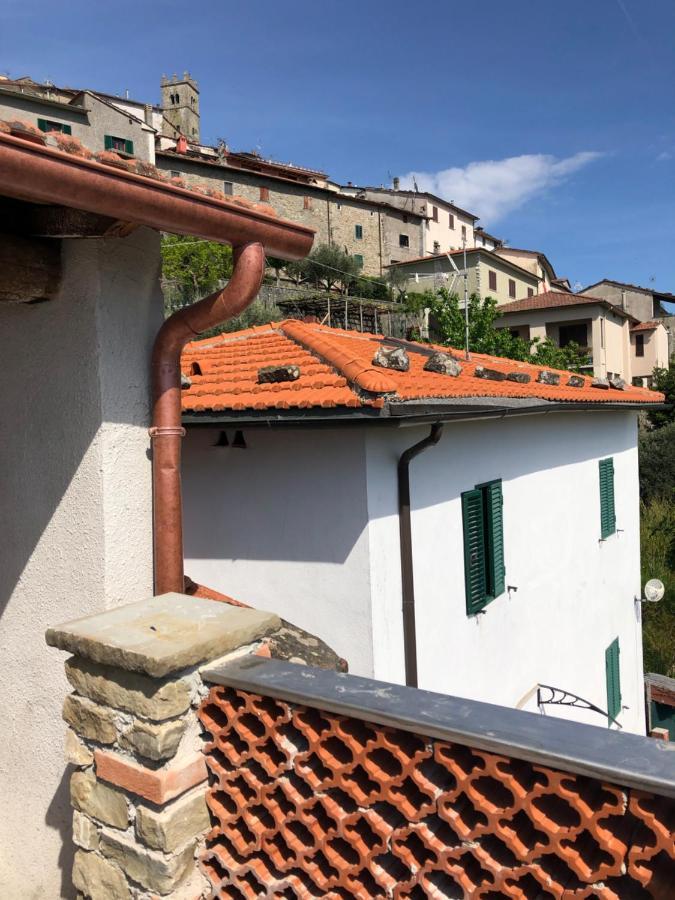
[{"x": 555, "y": 122}]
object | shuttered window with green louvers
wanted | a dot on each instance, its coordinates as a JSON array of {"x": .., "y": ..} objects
[
  {"x": 613, "y": 679},
  {"x": 118, "y": 144},
  {"x": 484, "y": 570},
  {"x": 607, "y": 512}
]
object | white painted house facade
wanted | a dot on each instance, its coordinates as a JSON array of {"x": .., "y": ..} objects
[{"x": 308, "y": 512}]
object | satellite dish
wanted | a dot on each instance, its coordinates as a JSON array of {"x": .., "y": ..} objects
[{"x": 654, "y": 590}]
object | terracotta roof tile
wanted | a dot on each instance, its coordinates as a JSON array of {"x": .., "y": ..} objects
[
  {"x": 336, "y": 370},
  {"x": 553, "y": 299},
  {"x": 646, "y": 326}
]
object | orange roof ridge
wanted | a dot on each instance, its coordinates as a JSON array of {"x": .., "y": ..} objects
[{"x": 367, "y": 377}]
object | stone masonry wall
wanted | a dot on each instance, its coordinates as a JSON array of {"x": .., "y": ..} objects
[
  {"x": 134, "y": 740},
  {"x": 333, "y": 216}
]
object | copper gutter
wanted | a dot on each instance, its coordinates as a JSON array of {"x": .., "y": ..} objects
[
  {"x": 166, "y": 431},
  {"x": 40, "y": 174}
]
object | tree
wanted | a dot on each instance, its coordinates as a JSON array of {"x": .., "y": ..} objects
[
  {"x": 397, "y": 280},
  {"x": 277, "y": 264},
  {"x": 192, "y": 268},
  {"x": 447, "y": 312},
  {"x": 657, "y": 462},
  {"x": 328, "y": 266},
  {"x": 657, "y": 542},
  {"x": 664, "y": 380}
]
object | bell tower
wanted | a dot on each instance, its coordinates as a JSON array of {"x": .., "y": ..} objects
[{"x": 180, "y": 104}]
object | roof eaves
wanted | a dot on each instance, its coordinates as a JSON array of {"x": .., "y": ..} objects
[{"x": 34, "y": 172}]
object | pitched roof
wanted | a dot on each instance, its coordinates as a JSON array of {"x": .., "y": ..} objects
[
  {"x": 646, "y": 326},
  {"x": 337, "y": 371},
  {"x": 555, "y": 299},
  {"x": 632, "y": 287}
]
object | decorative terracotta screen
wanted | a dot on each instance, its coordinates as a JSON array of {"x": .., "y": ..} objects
[{"x": 311, "y": 804}]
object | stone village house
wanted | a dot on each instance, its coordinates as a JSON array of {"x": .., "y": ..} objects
[
  {"x": 177, "y": 717},
  {"x": 520, "y": 555}
]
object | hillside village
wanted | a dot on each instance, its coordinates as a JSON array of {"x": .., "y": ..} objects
[
  {"x": 347, "y": 614},
  {"x": 627, "y": 330}
]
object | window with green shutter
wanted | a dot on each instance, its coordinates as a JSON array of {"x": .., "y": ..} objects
[
  {"x": 358, "y": 232},
  {"x": 118, "y": 144},
  {"x": 484, "y": 572},
  {"x": 613, "y": 679},
  {"x": 607, "y": 514},
  {"x": 47, "y": 125}
]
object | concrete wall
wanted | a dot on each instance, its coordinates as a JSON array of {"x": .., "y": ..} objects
[
  {"x": 294, "y": 524},
  {"x": 608, "y": 334},
  {"x": 655, "y": 352},
  {"x": 432, "y": 274},
  {"x": 76, "y": 500},
  {"x": 575, "y": 593},
  {"x": 283, "y": 526},
  {"x": 529, "y": 261},
  {"x": 638, "y": 303},
  {"x": 89, "y": 122}
]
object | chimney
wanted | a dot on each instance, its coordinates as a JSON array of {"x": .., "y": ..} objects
[
  {"x": 147, "y": 114},
  {"x": 181, "y": 144},
  {"x": 397, "y": 182}
]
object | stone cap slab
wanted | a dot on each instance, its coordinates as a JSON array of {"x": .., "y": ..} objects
[{"x": 163, "y": 634}]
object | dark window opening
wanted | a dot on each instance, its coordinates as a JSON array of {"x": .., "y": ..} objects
[
  {"x": 577, "y": 334},
  {"x": 512, "y": 288},
  {"x": 530, "y": 292},
  {"x": 451, "y": 221},
  {"x": 403, "y": 240},
  {"x": 434, "y": 213},
  {"x": 492, "y": 281},
  {"x": 227, "y": 187},
  {"x": 358, "y": 232},
  {"x": 47, "y": 125},
  {"x": 639, "y": 345}
]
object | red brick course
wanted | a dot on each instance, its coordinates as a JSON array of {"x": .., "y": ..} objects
[
  {"x": 311, "y": 804},
  {"x": 156, "y": 785}
]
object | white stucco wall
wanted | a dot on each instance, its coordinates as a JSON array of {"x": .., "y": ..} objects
[
  {"x": 76, "y": 502},
  {"x": 282, "y": 526},
  {"x": 575, "y": 593}
]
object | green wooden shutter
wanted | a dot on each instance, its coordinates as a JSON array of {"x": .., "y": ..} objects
[
  {"x": 108, "y": 142},
  {"x": 42, "y": 125},
  {"x": 129, "y": 147},
  {"x": 495, "y": 538},
  {"x": 66, "y": 129},
  {"x": 612, "y": 676},
  {"x": 474, "y": 550},
  {"x": 607, "y": 514}
]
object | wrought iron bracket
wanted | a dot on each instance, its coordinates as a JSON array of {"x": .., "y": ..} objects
[{"x": 560, "y": 697}]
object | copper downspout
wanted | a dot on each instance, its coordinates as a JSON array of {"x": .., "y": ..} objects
[{"x": 166, "y": 431}]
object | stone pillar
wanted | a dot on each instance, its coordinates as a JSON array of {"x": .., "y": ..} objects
[{"x": 139, "y": 781}]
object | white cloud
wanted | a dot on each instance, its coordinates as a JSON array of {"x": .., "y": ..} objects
[
  {"x": 493, "y": 188},
  {"x": 664, "y": 156}
]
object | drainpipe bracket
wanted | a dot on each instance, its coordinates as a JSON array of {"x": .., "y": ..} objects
[{"x": 166, "y": 431}]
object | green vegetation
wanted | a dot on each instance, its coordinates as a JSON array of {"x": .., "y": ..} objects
[
  {"x": 447, "y": 312},
  {"x": 191, "y": 269},
  {"x": 657, "y": 540},
  {"x": 657, "y": 526},
  {"x": 664, "y": 380}
]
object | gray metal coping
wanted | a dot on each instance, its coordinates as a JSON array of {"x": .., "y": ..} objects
[{"x": 627, "y": 760}]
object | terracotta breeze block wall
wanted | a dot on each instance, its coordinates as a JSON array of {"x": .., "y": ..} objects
[{"x": 311, "y": 804}]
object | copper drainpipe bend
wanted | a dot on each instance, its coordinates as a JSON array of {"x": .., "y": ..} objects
[{"x": 166, "y": 431}]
